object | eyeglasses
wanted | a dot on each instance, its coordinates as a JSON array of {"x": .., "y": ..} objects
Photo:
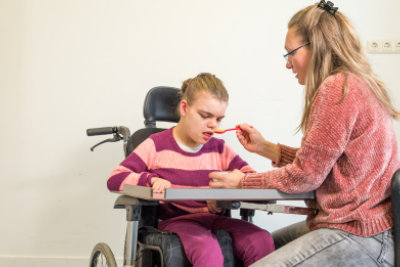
[{"x": 286, "y": 56}]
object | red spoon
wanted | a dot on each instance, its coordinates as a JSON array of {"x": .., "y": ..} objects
[{"x": 220, "y": 131}]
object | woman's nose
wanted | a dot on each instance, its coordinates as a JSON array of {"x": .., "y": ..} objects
[{"x": 288, "y": 65}]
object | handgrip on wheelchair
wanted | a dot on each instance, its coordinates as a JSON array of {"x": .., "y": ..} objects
[{"x": 101, "y": 131}]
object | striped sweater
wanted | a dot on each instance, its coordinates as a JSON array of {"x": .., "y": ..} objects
[
  {"x": 348, "y": 155},
  {"x": 160, "y": 156}
]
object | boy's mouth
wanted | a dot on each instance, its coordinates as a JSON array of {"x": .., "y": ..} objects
[{"x": 208, "y": 133}]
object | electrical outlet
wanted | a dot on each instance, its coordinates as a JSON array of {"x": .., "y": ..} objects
[
  {"x": 374, "y": 46},
  {"x": 387, "y": 46},
  {"x": 396, "y": 46},
  {"x": 384, "y": 46}
]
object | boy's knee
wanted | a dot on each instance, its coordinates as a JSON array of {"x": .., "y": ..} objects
[
  {"x": 255, "y": 247},
  {"x": 211, "y": 256},
  {"x": 263, "y": 244}
]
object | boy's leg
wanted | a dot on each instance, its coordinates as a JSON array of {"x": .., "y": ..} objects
[
  {"x": 200, "y": 244},
  {"x": 250, "y": 242}
]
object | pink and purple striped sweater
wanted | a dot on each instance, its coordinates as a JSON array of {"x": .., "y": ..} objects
[{"x": 160, "y": 156}]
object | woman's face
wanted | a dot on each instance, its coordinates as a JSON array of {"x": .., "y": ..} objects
[
  {"x": 199, "y": 119},
  {"x": 299, "y": 60}
]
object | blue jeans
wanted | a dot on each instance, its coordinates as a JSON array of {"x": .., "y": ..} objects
[{"x": 328, "y": 247}]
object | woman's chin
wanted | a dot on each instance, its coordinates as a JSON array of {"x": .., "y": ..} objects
[{"x": 300, "y": 81}]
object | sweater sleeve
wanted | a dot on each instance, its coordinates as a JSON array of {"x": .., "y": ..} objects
[
  {"x": 234, "y": 161},
  {"x": 327, "y": 132},
  {"x": 135, "y": 169},
  {"x": 286, "y": 155}
]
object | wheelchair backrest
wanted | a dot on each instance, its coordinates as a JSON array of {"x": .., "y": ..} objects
[{"x": 160, "y": 104}]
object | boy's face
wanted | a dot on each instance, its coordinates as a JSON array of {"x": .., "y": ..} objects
[{"x": 201, "y": 118}]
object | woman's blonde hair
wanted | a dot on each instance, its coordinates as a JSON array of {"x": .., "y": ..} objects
[
  {"x": 335, "y": 47},
  {"x": 203, "y": 82}
]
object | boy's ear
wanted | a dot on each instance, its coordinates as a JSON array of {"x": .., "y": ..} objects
[{"x": 182, "y": 107}]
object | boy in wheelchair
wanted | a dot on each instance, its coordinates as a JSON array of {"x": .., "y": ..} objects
[{"x": 183, "y": 156}]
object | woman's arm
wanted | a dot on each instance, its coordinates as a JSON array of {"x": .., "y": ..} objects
[
  {"x": 328, "y": 131},
  {"x": 253, "y": 141},
  {"x": 286, "y": 155}
]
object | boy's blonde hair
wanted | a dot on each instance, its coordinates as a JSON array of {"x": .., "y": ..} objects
[
  {"x": 203, "y": 82},
  {"x": 334, "y": 47}
]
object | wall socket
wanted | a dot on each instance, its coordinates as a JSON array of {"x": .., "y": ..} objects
[{"x": 386, "y": 46}]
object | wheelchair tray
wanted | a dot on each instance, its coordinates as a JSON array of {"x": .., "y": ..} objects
[{"x": 214, "y": 193}]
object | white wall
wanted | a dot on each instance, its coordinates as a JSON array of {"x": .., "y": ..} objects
[{"x": 70, "y": 65}]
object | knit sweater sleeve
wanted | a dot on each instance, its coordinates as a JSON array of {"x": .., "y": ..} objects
[
  {"x": 327, "y": 132},
  {"x": 286, "y": 155},
  {"x": 234, "y": 161},
  {"x": 134, "y": 170}
]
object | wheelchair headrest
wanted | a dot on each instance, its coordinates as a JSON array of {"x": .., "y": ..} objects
[{"x": 160, "y": 104}]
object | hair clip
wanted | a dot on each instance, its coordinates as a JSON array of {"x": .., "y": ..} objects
[{"x": 328, "y": 6}]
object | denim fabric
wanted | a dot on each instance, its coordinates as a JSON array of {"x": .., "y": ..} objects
[
  {"x": 289, "y": 233},
  {"x": 330, "y": 247}
]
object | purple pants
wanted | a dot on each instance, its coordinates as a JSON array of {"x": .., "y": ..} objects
[{"x": 250, "y": 243}]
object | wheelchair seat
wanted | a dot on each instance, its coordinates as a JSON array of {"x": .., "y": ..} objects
[{"x": 155, "y": 247}]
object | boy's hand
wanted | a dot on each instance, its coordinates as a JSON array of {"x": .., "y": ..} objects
[
  {"x": 212, "y": 206},
  {"x": 159, "y": 184}
]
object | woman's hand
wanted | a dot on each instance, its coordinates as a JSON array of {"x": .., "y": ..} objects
[
  {"x": 226, "y": 180},
  {"x": 253, "y": 141},
  {"x": 212, "y": 206},
  {"x": 159, "y": 184},
  {"x": 250, "y": 138}
]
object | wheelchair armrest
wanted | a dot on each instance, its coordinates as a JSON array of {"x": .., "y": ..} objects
[
  {"x": 123, "y": 201},
  {"x": 134, "y": 206}
]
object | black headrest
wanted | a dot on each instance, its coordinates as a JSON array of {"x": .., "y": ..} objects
[{"x": 160, "y": 104}]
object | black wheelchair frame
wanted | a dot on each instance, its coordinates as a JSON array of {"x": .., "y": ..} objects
[{"x": 159, "y": 105}]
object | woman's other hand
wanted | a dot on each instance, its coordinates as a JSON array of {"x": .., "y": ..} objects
[{"x": 226, "y": 180}]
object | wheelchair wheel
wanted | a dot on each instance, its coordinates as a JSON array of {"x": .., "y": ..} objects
[{"x": 102, "y": 256}]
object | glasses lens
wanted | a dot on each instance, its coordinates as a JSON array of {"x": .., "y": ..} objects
[{"x": 286, "y": 56}]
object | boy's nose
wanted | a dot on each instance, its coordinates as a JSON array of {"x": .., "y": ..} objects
[{"x": 212, "y": 124}]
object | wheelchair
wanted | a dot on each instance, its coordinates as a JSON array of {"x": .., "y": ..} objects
[{"x": 145, "y": 245}]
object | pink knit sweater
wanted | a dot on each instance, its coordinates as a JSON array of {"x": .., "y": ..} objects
[{"x": 348, "y": 155}]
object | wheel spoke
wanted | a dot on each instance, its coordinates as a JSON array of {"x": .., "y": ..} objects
[{"x": 102, "y": 256}]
